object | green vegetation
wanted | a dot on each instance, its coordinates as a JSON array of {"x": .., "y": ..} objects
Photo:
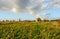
[{"x": 29, "y": 30}]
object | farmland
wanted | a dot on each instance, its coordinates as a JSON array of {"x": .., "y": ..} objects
[{"x": 29, "y": 30}]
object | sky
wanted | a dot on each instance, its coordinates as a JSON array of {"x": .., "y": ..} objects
[
  {"x": 29, "y": 9},
  {"x": 9, "y": 15}
]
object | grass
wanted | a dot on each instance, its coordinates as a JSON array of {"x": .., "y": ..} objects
[{"x": 29, "y": 30}]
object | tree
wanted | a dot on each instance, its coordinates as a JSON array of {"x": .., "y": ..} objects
[{"x": 19, "y": 20}]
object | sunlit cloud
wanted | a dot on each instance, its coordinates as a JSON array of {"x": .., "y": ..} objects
[{"x": 34, "y": 7}]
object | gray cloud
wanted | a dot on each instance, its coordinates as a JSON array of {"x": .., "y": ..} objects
[{"x": 32, "y": 6}]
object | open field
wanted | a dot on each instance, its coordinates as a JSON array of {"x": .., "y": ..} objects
[{"x": 29, "y": 30}]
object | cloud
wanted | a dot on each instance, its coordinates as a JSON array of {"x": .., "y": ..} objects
[
  {"x": 34, "y": 7},
  {"x": 54, "y": 3},
  {"x": 7, "y": 4}
]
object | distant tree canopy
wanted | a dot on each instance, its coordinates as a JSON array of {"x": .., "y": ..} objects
[
  {"x": 27, "y": 20},
  {"x": 37, "y": 20},
  {"x": 3, "y": 20},
  {"x": 19, "y": 20},
  {"x": 7, "y": 20},
  {"x": 45, "y": 20}
]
